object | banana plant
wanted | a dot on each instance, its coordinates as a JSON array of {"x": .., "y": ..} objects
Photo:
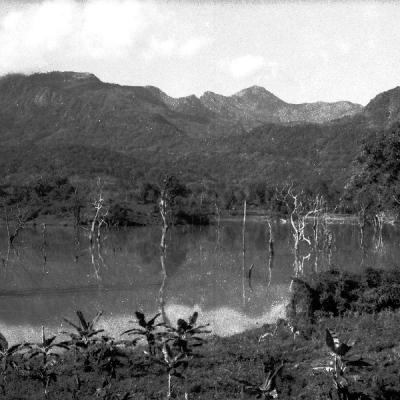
[
  {"x": 187, "y": 331},
  {"x": 267, "y": 390},
  {"x": 339, "y": 350},
  {"x": 174, "y": 364},
  {"x": 109, "y": 356},
  {"x": 45, "y": 348},
  {"x": 85, "y": 330},
  {"x": 45, "y": 372},
  {"x": 147, "y": 329},
  {"x": 84, "y": 337},
  {"x": 6, "y": 360}
]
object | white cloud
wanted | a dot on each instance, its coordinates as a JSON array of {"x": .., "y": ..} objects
[
  {"x": 52, "y": 33},
  {"x": 192, "y": 46},
  {"x": 70, "y": 34},
  {"x": 245, "y": 66},
  {"x": 160, "y": 47},
  {"x": 172, "y": 47}
]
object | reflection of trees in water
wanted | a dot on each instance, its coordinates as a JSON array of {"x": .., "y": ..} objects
[
  {"x": 257, "y": 237},
  {"x": 147, "y": 251},
  {"x": 231, "y": 237},
  {"x": 176, "y": 256},
  {"x": 378, "y": 232},
  {"x": 162, "y": 301},
  {"x": 138, "y": 259},
  {"x": 271, "y": 251}
]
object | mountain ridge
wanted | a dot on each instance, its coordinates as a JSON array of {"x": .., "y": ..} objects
[{"x": 250, "y": 135}]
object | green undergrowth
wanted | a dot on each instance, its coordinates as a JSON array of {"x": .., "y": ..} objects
[{"x": 220, "y": 367}]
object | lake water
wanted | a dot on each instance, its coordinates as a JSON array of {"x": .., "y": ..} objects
[{"x": 204, "y": 273}]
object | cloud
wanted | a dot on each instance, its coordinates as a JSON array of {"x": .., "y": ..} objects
[
  {"x": 52, "y": 33},
  {"x": 192, "y": 46},
  {"x": 172, "y": 47},
  {"x": 245, "y": 66}
]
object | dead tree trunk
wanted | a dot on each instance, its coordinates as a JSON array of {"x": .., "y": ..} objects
[
  {"x": 300, "y": 210},
  {"x": 95, "y": 229},
  {"x": 361, "y": 224},
  {"x": 244, "y": 252},
  {"x": 318, "y": 211},
  {"x": 163, "y": 207},
  {"x": 20, "y": 221},
  {"x": 271, "y": 252},
  {"x": 77, "y": 208},
  {"x": 43, "y": 247},
  {"x": 378, "y": 231}
]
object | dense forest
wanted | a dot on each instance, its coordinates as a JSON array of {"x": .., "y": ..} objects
[{"x": 131, "y": 194}]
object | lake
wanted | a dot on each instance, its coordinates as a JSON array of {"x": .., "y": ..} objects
[{"x": 48, "y": 277}]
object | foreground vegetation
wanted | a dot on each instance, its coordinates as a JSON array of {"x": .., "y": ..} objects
[{"x": 298, "y": 358}]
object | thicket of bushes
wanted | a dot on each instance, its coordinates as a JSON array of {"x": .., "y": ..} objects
[{"x": 336, "y": 292}]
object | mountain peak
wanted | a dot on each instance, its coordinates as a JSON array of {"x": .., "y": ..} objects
[
  {"x": 255, "y": 90},
  {"x": 258, "y": 97},
  {"x": 384, "y": 109}
]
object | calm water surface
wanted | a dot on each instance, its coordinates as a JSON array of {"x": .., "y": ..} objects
[{"x": 204, "y": 273}]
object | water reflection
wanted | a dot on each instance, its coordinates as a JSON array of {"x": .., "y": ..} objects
[{"x": 204, "y": 271}]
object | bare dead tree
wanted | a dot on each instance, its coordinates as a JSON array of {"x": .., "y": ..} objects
[
  {"x": 20, "y": 218},
  {"x": 14, "y": 225},
  {"x": 101, "y": 212},
  {"x": 271, "y": 252},
  {"x": 161, "y": 300},
  {"x": 6, "y": 219},
  {"x": 102, "y": 221},
  {"x": 77, "y": 209},
  {"x": 298, "y": 218},
  {"x": 361, "y": 224},
  {"x": 328, "y": 243},
  {"x": 300, "y": 210},
  {"x": 378, "y": 231},
  {"x": 163, "y": 208},
  {"x": 43, "y": 247},
  {"x": 244, "y": 251},
  {"x": 317, "y": 207},
  {"x": 218, "y": 213}
]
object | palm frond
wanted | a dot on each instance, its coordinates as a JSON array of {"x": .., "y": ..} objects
[
  {"x": 183, "y": 326},
  {"x": 141, "y": 319},
  {"x": 3, "y": 343},
  {"x": 134, "y": 331},
  {"x": 335, "y": 345},
  {"x": 331, "y": 340},
  {"x": 82, "y": 320},
  {"x": 95, "y": 319},
  {"x": 49, "y": 341},
  {"x": 14, "y": 348},
  {"x": 78, "y": 328},
  {"x": 193, "y": 318},
  {"x": 151, "y": 322}
]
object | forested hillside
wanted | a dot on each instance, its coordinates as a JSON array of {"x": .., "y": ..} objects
[{"x": 66, "y": 124}]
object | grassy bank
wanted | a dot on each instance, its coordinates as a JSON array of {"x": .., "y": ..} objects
[{"x": 227, "y": 368}]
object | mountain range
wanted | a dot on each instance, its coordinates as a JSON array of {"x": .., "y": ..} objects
[{"x": 75, "y": 123}]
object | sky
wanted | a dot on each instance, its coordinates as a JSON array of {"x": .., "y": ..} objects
[{"x": 301, "y": 51}]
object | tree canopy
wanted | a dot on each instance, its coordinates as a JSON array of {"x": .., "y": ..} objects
[{"x": 375, "y": 183}]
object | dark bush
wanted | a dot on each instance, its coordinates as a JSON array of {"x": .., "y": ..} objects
[{"x": 336, "y": 292}]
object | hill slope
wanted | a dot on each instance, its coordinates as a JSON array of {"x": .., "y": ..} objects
[{"x": 68, "y": 120}]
